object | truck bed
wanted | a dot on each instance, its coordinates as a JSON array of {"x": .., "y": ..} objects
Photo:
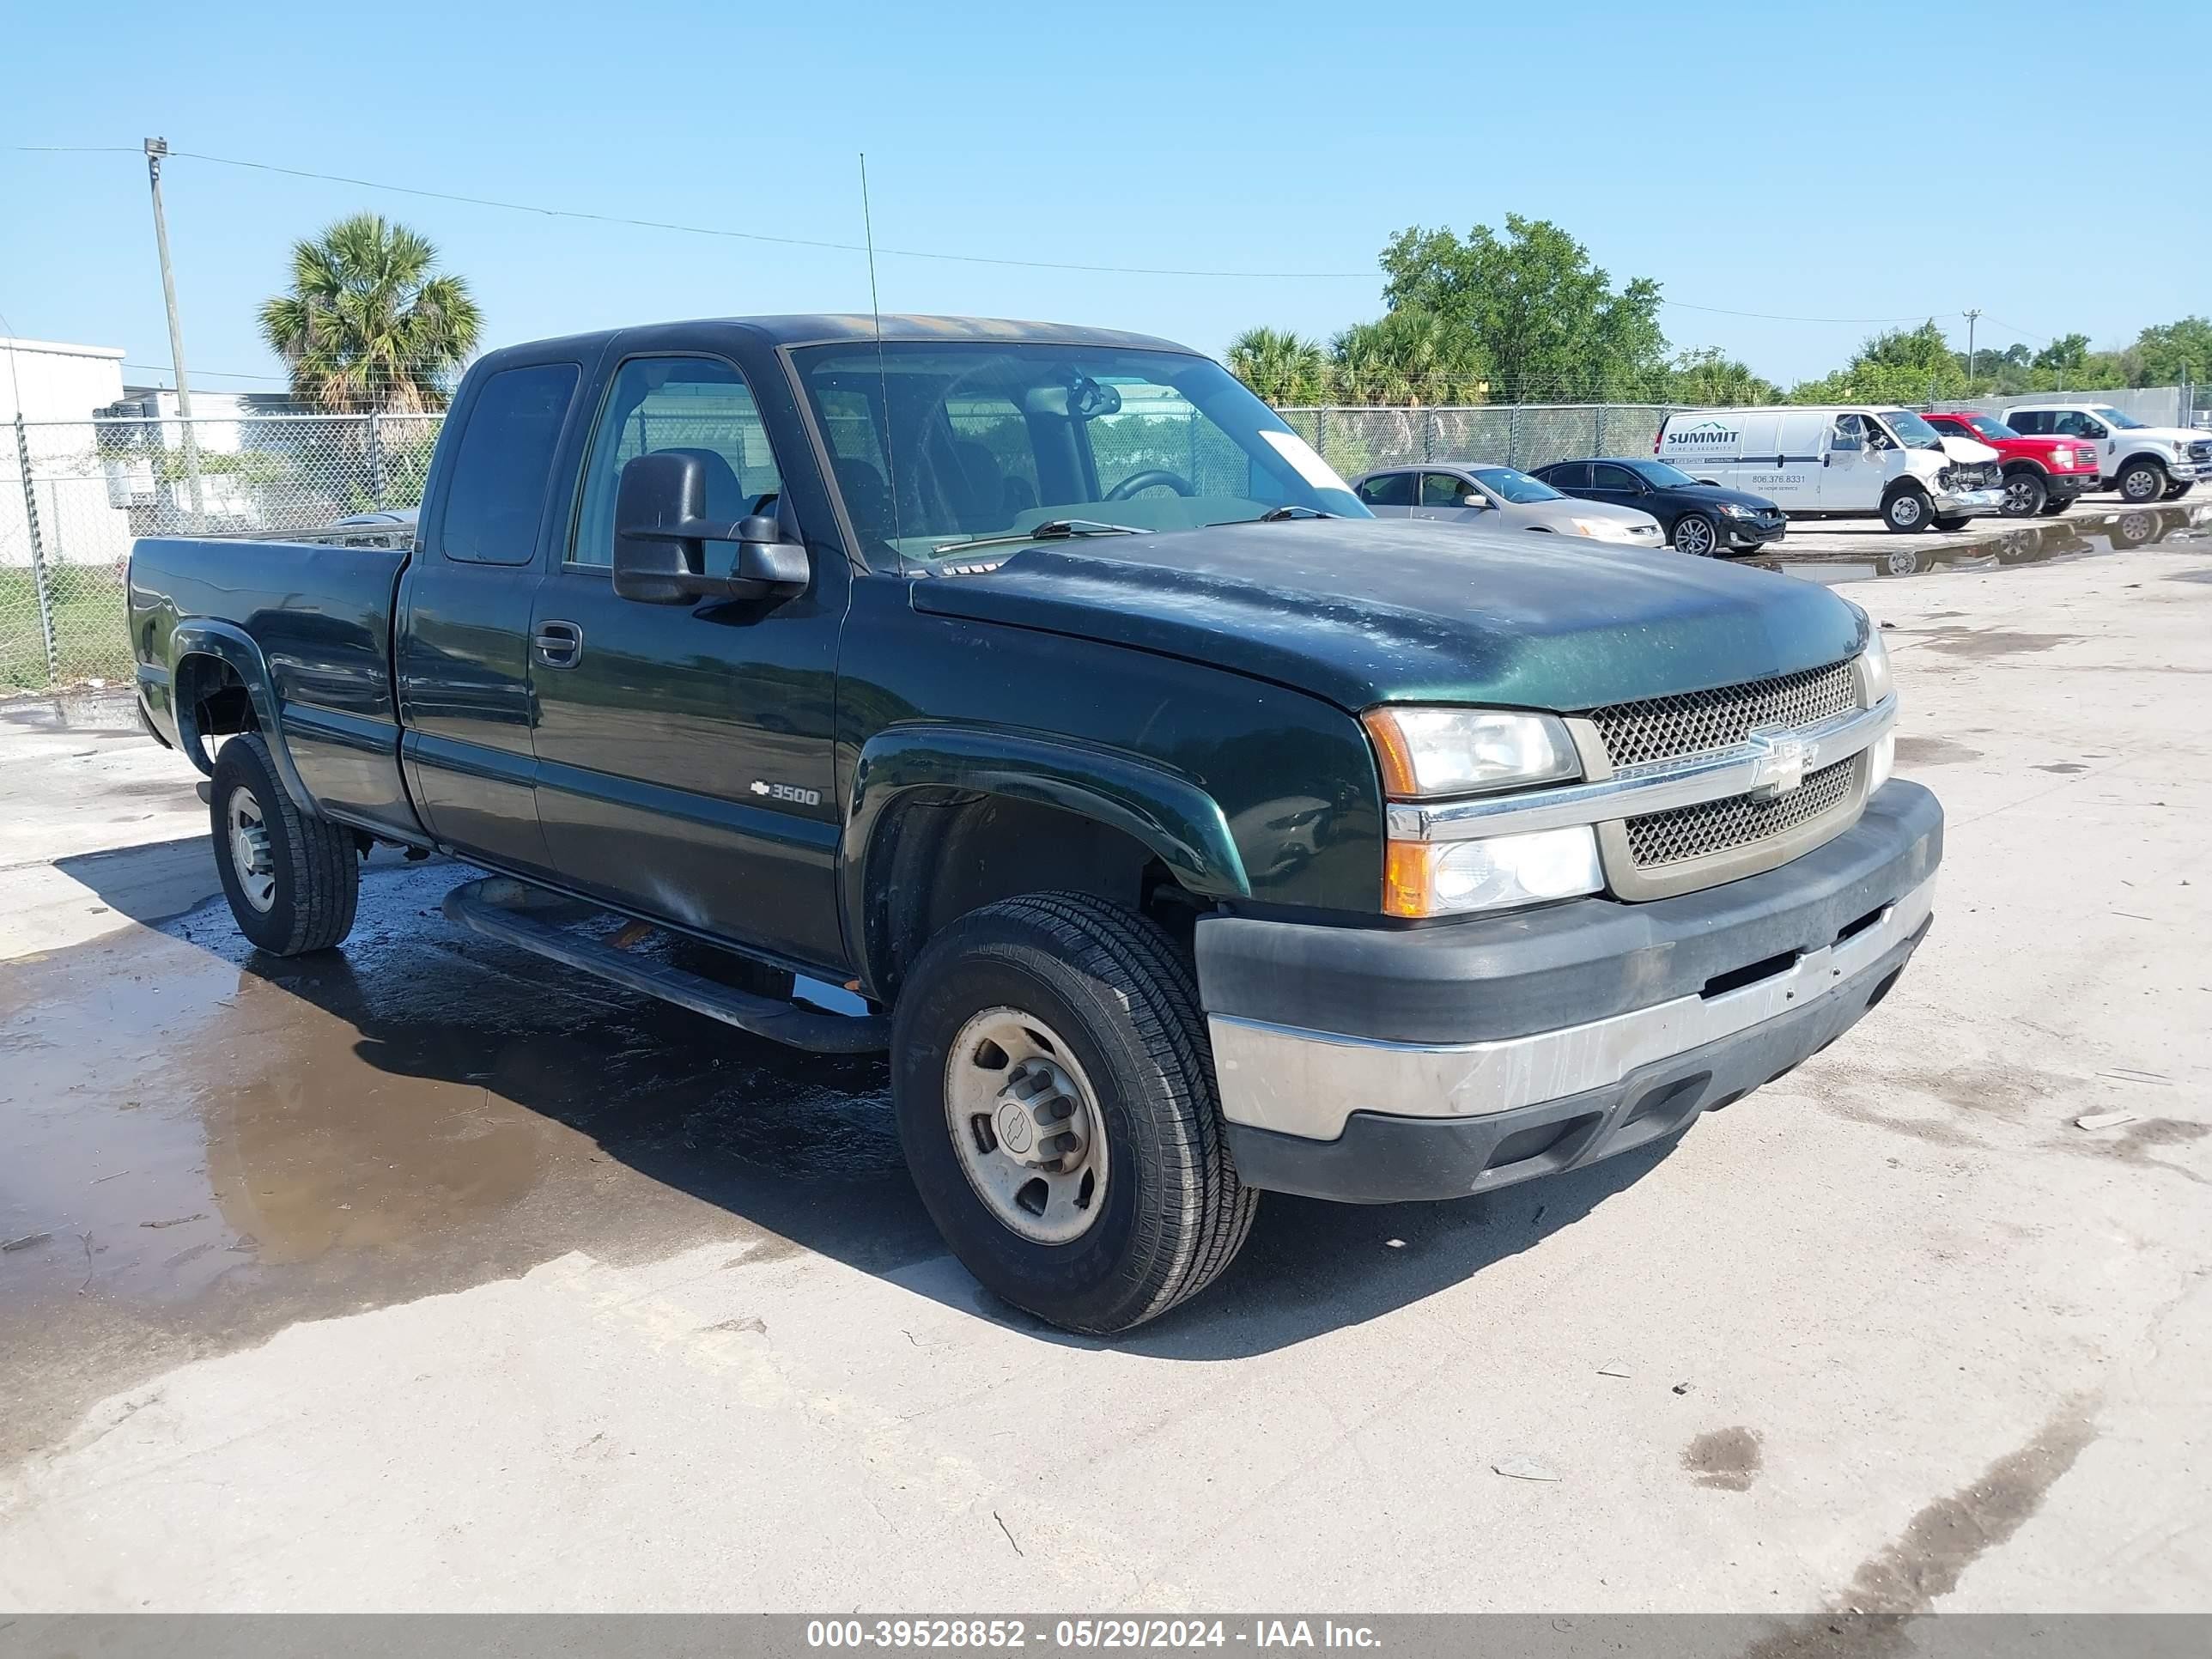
[{"x": 307, "y": 627}]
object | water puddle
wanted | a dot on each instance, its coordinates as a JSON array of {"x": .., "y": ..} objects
[{"x": 2186, "y": 527}]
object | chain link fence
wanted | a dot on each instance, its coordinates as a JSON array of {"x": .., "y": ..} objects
[
  {"x": 1524, "y": 435},
  {"x": 75, "y": 493}
]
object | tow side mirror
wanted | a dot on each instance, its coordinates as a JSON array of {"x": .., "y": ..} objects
[{"x": 661, "y": 532}]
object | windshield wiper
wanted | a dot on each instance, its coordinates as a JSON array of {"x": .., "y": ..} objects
[
  {"x": 1287, "y": 511},
  {"x": 1052, "y": 530}
]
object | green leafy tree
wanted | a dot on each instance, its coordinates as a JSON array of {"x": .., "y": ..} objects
[
  {"x": 1905, "y": 366},
  {"x": 1408, "y": 356},
  {"x": 1705, "y": 375},
  {"x": 1282, "y": 368},
  {"x": 369, "y": 323},
  {"x": 1545, "y": 321},
  {"x": 2166, "y": 354}
]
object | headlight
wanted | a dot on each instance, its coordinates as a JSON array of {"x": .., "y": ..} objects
[
  {"x": 1882, "y": 760},
  {"x": 1427, "y": 752},
  {"x": 1451, "y": 878},
  {"x": 1603, "y": 530},
  {"x": 1874, "y": 667}
]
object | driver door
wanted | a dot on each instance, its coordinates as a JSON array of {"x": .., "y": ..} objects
[
  {"x": 684, "y": 752},
  {"x": 1449, "y": 499}
]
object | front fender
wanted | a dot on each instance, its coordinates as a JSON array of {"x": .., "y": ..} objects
[
  {"x": 231, "y": 646},
  {"x": 1179, "y": 821}
]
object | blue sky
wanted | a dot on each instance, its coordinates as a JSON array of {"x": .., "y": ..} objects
[{"x": 1851, "y": 161}]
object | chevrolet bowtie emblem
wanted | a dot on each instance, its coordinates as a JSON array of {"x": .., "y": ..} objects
[{"x": 1779, "y": 765}]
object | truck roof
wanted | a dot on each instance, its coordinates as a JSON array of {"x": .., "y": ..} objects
[{"x": 834, "y": 327}]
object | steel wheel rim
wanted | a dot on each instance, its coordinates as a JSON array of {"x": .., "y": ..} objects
[
  {"x": 1026, "y": 1126},
  {"x": 1907, "y": 509},
  {"x": 1693, "y": 536},
  {"x": 2139, "y": 486},
  {"x": 246, "y": 833}
]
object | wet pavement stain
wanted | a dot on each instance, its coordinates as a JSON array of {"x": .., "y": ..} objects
[
  {"x": 2063, "y": 768},
  {"x": 1929, "y": 1558},
  {"x": 1977, "y": 645},
  {"x": 1725, "y": 1460},
  {"x": 218, "y": 1143},
  {"x": 2085, "y": 532},
  {"x": 1934, "y": 751}
]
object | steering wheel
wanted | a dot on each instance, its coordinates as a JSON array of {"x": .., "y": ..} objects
[{"x": 1147, "y": 479}]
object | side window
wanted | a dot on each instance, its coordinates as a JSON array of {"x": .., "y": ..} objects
[
  {"x": 1949, "y": 426},
  {"x": 1442, "y": 490},
  {"x": 1391, "y": 489},
  {"x": 1611, "y": 478},
  {"x": 2073, "y": 423},
  {"x": 1850, "y": 432},
  {"x": 505, "y": 460},
  {"x": 2029, "y": 422},
  {"x": 1568, "y": 475},
  {"x": 689, "y": 405}
]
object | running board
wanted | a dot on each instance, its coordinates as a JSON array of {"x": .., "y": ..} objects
[{"x": 518, "y": 914}]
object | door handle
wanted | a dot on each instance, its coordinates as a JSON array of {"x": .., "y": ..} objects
[{"x": 557, "y": 644}]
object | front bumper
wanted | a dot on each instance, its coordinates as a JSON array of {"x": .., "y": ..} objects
[
  {"x": 1375, "y": 1065},
  {"x": 1752, "y": 532},
  {"x": 1968, "y": 503}
]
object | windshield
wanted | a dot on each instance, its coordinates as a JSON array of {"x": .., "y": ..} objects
[
  {"x": 1659, "y": 474},
  {"x": 1911, "y": 431},
  {"x": 989, "y": 438},
  {"x": 1517, "y": 488},
  {"x": 1989, "y": 428},
  {"x": 2112, "y": 417}
]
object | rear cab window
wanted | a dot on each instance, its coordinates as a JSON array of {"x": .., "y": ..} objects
[{"x": 503, "y": 464}]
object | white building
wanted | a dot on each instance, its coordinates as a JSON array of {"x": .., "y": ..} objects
[{"x": 57, "y": 389}]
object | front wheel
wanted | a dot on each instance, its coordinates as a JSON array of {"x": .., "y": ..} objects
[
  {"x": 2143, "y": 481},
  {"x": 2055, "y": 505},
  {"x": 1055, "y": 1100},
  {"x": 1948, "y": 525},
  {"x": 1694, "y": 534},
  {"x": 293, "y": 881},
  {"x": 2177, "y": 489},
  {"x": 2026, "y": 495},
  {"x": 1907, "y": 511}
]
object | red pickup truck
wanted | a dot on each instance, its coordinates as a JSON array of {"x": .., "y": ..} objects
[{"x": 2041, "y": 475}]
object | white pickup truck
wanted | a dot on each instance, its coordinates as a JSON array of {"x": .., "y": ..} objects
[{"x": 2143, "y": 463}]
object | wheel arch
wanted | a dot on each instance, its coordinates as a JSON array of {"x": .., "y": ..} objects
[
  {"x": 221, "y": 684},
  {"x": 945, "y": 820}
]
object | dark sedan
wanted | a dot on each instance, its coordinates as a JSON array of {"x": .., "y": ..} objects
[{"x": 1703, "y": 518}]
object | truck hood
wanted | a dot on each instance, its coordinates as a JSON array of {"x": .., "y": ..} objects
[
  {"x": 2183, "y": 435},
  {"x": 1968, "y": 449},
  {"x": 1363, "y": 612}
]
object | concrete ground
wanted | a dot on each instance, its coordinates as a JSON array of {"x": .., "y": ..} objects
[{"x": 419, "y": 1277}]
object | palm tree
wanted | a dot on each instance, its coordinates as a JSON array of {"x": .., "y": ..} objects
[
  {"x": 1408, "y": 356},
  {"x": 1281, "y": 367},
  {"x": 369, "y": 325}
]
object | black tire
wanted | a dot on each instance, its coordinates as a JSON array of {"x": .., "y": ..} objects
[
  {"x": 2026, "y": 494},
  {"x": 1908, "y": 512},
  {"x": 313, "y": 866},
  {"x": 1951, "y": 526},
  {"x": 2141, "y": 481},
  {"x": 1114, "y": 990},
  {"x": 2177, "y": 489},
  {"x": 1697, "y": 535},
  {"x": 2056, "y": 505}
]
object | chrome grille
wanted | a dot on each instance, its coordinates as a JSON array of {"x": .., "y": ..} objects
[
  {"x": 1665, "y": 727},
  {"x": 1714, "y": 826}
]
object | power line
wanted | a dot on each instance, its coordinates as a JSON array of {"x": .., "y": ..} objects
[{"x": 861, "y": 248}]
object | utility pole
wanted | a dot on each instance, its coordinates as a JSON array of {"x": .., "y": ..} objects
[
  {"x": 156, "y": 149},
  {"x": 1971, "y": 317}
]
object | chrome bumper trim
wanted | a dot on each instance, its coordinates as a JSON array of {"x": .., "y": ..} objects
[
  {"x": 1653, "y": 786},
  {"x": 1307, "y": 1083}
]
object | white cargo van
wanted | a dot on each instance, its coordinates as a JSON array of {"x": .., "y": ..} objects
[{"x": 1842, "y": 461}]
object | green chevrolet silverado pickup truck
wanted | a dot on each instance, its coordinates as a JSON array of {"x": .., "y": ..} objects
[{"x": 1183, "y": 830}]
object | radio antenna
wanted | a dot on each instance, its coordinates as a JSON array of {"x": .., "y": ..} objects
[{"x": 883, "y": 377}]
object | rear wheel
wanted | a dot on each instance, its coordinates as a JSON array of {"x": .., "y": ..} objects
[
  {"x": 1907, "y": 510},
  {"x": 293, "y": 881},
  {"x": 2026, "y": 494},
  {"x": 2143, "y": 481},
  {"x": 1055, "y": 1100},
  {"x": 1694, "y": 534}
]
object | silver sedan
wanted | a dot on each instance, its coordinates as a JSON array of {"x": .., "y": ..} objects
[{"x": 1476, "y": 492}]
